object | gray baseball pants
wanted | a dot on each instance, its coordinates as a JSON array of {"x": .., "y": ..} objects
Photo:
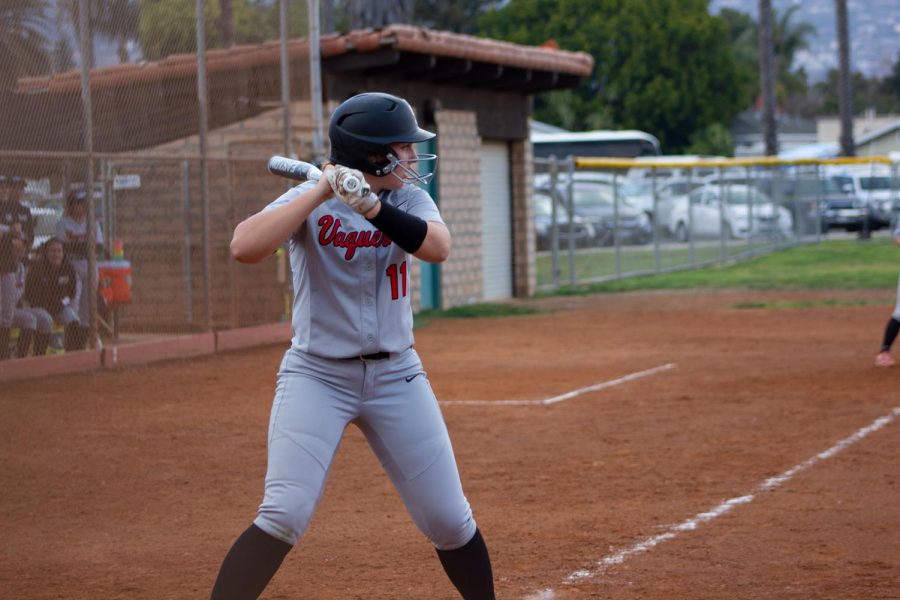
[{"x": 392, "y": 403}]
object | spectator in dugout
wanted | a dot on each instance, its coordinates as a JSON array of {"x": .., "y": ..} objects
[
  {"x": 33, "y": 324},
  {"x": 72, "y": 229},
  {"x": 16, "y": 222},
  {"x": 51, "y": 287}
]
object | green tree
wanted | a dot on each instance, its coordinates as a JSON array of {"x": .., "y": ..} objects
[
  {"x": 113, "y": 19},
  {"x": 169, "y": 26},
  {"x": 662, "y": 66},
  {"x": 868, "y": 93},
  {"x": 789, "y": 38},
  {"x": 120, "y": 23},
  {"x": 742, "y": 31},
  {"x": 24, "y": 48},
  {"x": 891, "y": 85},
  {"x": 460, "y": 16},
  {"x": 714, "y": 139}
]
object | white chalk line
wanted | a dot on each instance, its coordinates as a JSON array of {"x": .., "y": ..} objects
[
  {"x": 567, "y": 395},
  {"x": 692, "y": 523}
]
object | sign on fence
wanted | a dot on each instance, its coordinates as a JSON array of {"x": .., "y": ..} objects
[{"x": 126, "y": 182}]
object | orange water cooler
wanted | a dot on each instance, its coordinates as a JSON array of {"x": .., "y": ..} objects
[{"x": 115, "y": 282}]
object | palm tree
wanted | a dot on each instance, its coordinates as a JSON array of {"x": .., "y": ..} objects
[
  {"x": 119, "y": 21},
  {"x": 226, "y": 23},
  {"x": 24, "y": 48},
  {"x": 767, "y": 76},
  {"x": 789, "y": 38},
  {"x": 379, "y": 13},
  {"x": 114, "y": 19},
  {"x": 845, "y": 89}
]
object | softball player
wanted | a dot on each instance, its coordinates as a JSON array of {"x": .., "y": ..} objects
[
  {"x": 893, "y": 325},
  {"x": 351, "y": 358},
  {"x": 33, "y": 323},
  {"x": 72, "y": 230},
  {"x": 16, "y": 222}
]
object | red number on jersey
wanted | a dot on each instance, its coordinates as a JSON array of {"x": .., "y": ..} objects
[{"x": 398, "y": 280}]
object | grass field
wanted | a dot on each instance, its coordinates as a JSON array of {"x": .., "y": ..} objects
[{"x": 832, "y": 264}]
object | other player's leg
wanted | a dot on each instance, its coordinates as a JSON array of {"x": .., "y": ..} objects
[
  {"x": 884, "y": 358},
  {"x": 7, "y": 306}
]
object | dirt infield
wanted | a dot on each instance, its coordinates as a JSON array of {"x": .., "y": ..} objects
[{"x": 764, "y": 464}]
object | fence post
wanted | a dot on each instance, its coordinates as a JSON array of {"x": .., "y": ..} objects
[
  {"x": 750, "y": 187},
  {"x": 203, "y": 110},
  {"x": 617, "y": 249},
  {"x": 188, "y": 268},
  {"x": 554, "y": 230},
  {"x": 570, "y": 211},
  {"x": 721, "y": 215},
  {"x": 690, "y": 224},
  {"x": 657, "y": 264}
]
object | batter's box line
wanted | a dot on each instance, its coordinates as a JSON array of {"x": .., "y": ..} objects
[
  {"x": 568, "y": 395},
  {"x": 672, "y": 531}
]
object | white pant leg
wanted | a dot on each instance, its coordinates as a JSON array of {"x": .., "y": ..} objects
[
  {"x": 314, "y": 401},
  {"x": 896, "y": 314},
  {"x": 44, "y": 320},
  {"x": 403, "y": 423},
  {"x": 24, "y": 319},
  {"x": 67, "y": 315},
  {"x": 7, "y": 298},
  {"x": 82, "y": 302}
]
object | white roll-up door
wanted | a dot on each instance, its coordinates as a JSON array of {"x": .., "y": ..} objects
[{"x": 496, "y": 231}]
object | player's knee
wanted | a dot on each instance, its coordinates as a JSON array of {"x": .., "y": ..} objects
[
  {"x": 452, "y": 532},
  {"x": 285, "y": 518}
]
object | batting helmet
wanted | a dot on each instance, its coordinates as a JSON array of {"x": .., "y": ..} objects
[{"x": 363, "y": 128}]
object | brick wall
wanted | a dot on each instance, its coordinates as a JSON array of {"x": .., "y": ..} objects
[
  {"x": 459, "y": 185},
  {"x": 524, "y": 259},
  {"x": 162, "y": 234}
]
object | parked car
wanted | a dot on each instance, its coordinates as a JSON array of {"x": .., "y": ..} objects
[
  {"x": 717, "y": 210},
  {"x": 852, "y": 214},
  {"x": 873, "y": 184},
  {"x": 595, "y": 202},
  {"x": 671, "y": 193},
  {"x": 579, "y": 229},
  {"x": 820, "y": 204}
]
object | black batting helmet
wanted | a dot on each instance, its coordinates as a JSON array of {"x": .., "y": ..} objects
[{"x": 363, "y": 127}]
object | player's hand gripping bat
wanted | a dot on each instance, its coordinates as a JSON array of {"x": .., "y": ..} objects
[{"x": 347, "y": 183}]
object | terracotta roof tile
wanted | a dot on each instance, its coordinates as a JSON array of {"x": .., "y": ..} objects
[{"x": 401, "y": 37}]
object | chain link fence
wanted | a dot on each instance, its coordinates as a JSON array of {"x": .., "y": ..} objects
[
  {"x": 133, "y": 142},
  {"x": 601, "y": 219}
]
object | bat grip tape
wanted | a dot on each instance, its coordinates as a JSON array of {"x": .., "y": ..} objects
[{"x": 406, "y": 230}]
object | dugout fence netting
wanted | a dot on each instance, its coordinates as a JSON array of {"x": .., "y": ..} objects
[{"x": 111, "y": 99}]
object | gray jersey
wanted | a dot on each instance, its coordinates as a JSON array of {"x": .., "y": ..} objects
[{"x": 351, "y": 283}]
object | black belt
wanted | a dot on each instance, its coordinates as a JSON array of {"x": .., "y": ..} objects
[{"x": 373, "y": 356}]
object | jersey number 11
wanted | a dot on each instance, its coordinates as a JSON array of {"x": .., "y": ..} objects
[{"x": 397, "y": 275}]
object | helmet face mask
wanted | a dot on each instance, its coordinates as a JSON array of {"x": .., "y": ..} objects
[
  {"x": 410, "y": 174},
  {"x": 363, "y": 128}
]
